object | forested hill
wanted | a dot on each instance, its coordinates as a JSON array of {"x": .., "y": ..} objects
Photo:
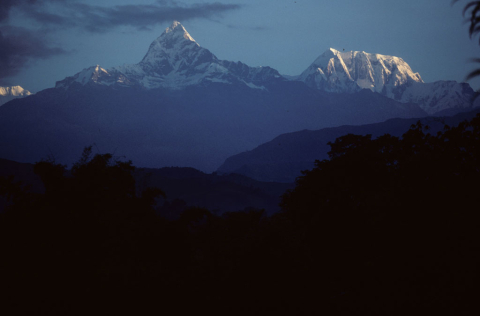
[
  {"x": 184, "y": 187},
  {"x": 283, "y": 158}
]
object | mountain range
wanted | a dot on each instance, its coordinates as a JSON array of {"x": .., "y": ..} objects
[
  {"x": 174, "y": 61},
  {"x": 182, "y": 106},
  {"x": 348, "y": 72}
]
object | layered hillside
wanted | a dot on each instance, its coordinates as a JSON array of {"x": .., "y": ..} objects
[
  {"x": 284, "y": 157},
  {"x": 179, "y": 106}
]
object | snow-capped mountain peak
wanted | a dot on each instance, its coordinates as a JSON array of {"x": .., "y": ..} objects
[
  {"x": 93, "y": 75},
  {"x": 175, "y": 60},
  {"x": 336, "y": 71},
  {"x": 173, "y": 51},
  {"x": 177, "y": 29},
  {"x": 12, "y": 92},
  {"x": 15, "y": 91},
  {"x": 391, "y": 76}
]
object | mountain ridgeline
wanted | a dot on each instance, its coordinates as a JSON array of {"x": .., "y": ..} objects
[
  {"x": 182, "y": 106},
  {"x": 285, "y": 157}
]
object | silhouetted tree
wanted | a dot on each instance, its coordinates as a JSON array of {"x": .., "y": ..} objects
[
  {"x": 392, "y": 218},
  {"x": 385, "y": 226},
  {"x": 472, "y": 10},
  {"x": 90, "y": 230}
]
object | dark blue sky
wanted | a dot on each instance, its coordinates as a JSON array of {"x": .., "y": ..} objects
[{"x": 43, "y": 41}]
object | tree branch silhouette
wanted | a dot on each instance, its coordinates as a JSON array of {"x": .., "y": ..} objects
[{"x": 472, "y": 11}]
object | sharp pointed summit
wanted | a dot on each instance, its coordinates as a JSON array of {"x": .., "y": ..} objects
[
  {"x": 175, "y": 60},
  {"x": 175, "y": 39},
  {"x": 174, "y": 50},
  {"x": 178, "y": 29}
]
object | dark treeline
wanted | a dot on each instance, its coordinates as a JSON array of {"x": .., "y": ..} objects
[{"x": 386, "y": 226}]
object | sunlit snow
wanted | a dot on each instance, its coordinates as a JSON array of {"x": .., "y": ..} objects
[
  {"x": 12, "y": 92},
  {"x": 174, "y": 60},
  {"x": 348, "y": 72}
]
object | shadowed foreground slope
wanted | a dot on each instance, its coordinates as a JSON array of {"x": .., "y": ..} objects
[
  {"x": 283, "y": 158},
  {"x": 385, "y": 227}
]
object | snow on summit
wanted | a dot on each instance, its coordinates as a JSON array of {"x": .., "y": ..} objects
[
  {"x": 179, "y": 30},
  {"x": 336, "y": 71},
  {"x": 175, "y": 60},
  {"x": 391, "y": 76},
  {"x": 173, "y": 47},
  {"x": 12, "y": 92}
]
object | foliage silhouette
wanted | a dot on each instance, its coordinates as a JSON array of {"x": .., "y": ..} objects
[
  {"x": 385, "y": 226},
  {"x": 472, "y": 9},
  {"x": 89, "y": 227},
  {"x": 393, "y": 218}
]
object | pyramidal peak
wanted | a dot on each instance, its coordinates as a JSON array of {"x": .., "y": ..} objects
[
  {"x": 174, "y": 37},
  {"x": 172, "y": 47},
  {"x": 177, "y": 29},
  {"x": 174, "y": 60}
]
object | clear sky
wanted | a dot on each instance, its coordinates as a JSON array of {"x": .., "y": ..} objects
[{"x": 43, "y": 41}]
